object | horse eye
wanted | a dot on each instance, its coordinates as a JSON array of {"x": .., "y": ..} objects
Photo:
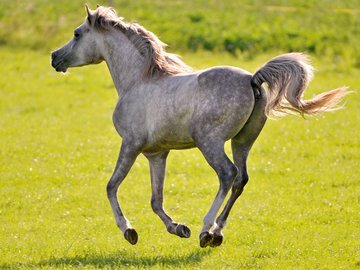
[{"x": 76, "y": 34}]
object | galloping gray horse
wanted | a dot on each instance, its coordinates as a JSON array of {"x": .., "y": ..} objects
[{"x": 164, "y": 105}]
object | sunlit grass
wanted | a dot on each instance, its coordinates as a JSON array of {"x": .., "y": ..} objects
[{"x": 58, "y": 148}]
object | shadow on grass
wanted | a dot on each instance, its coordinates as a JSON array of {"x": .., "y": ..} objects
[{"x": 116, "y": 260}]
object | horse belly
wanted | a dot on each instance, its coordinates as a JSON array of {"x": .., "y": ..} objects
[{"x": 170, "y": 133}]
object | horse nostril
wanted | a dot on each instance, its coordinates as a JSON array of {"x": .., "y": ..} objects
[{"x": 53, "y": 55}]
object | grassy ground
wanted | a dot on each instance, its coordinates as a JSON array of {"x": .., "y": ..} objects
[{"x": 58, "y": 148}]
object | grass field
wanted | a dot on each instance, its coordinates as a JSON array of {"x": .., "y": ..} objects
[{"x": 58, "y": 148}]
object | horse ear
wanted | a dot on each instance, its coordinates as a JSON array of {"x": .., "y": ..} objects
[{"x": 90, "y": 14}]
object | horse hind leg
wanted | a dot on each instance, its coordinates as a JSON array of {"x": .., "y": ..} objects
[
  {"x": 241, "y": 145},
  {"x": 157, "y": 171},
  {"x": 215, "y": 155},
  {"x": 240, "y": 156}
]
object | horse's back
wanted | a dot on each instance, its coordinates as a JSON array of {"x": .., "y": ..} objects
[
  {"x": 225, "y": 101},
  {"x": 222, "y": 75}
]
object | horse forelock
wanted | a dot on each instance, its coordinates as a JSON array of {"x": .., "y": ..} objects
[{"x": 156, "y": 60}]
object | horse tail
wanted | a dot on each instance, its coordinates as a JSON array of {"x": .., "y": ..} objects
[{"x": 287, "y": 76}]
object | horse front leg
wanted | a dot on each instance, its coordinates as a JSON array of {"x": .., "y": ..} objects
[
  {"x": 157, "y": 170},
  {"x": 125, "y": 161}
]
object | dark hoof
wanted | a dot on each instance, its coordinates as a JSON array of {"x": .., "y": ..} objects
[
  {"x": 206, "y": 239},
  {"x": 217, "y": 240},
  {"x": 131, "y": 235},
  {"x": 182, "y": 231}
]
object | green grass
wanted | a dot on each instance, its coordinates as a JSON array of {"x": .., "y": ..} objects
[{"x": 58, "y": 148}]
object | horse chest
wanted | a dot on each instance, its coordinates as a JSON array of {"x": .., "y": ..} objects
[{"x": 128, "y": 119}]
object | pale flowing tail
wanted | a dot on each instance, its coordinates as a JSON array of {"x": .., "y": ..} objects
[{"x": 287, "y": 76}]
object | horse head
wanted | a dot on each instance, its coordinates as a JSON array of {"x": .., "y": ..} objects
[{"x": 82, "y": 49}]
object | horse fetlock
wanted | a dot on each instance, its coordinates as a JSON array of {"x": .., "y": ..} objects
[
  {"x": 171, "y": 227},
  {"x": 131, "y": 236},
  {"x": 219, "y": 225},
  {"x": 178, "y": 229},
  {"x": 208, "y": 223}
]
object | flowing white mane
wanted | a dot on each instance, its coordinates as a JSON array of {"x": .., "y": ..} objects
[{"x": 157, "y": 60}]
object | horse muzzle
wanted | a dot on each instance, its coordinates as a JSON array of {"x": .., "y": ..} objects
[{"x": 57, "y": 62}]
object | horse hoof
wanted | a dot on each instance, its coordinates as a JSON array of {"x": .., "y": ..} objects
[
  {"x": 217, "y": 240},
  {"x": 182, "y": 231},
  {"x": 131, "y": 236},
  {"x": 205, "y": 239}
]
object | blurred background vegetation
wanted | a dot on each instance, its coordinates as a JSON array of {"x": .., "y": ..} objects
[{"x": 329, "y": 29}]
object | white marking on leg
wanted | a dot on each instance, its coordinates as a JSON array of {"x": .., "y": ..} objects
[{"x": 209, "y": 220}]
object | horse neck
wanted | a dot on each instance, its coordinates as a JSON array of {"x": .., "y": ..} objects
[{"x": 124, "y": 63}]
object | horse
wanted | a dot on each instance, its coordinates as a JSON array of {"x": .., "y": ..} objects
[{"x": 163, "y": 105}]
